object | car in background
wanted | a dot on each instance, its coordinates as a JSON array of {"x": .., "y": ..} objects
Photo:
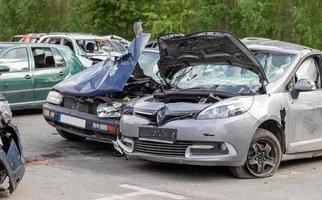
[
  {"x": 118, "y": 46},
  {"x": 121, "y": 40},
  {"x": 28, "y": 38},
  {"x": 12, "y": 164},
  {"x": 89, "y": 104},
  {"x": 29, "y": 70},
  {"x": 89, "y": 49},
  {"x": 152, "y": 45},
  {"x": 244, "y": 104}
]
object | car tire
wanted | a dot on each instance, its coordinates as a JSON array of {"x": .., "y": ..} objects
[
  {"x": 263, "y": 158},
  {"x": 69, "y": 136}
]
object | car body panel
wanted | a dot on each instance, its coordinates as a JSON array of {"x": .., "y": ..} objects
[{"x": 29, "y": 88}]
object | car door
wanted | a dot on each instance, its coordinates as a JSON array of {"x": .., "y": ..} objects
[
  {"x": 305, "y": 111},
  {"x": 49, "y": 69},
  {"x": 16, "y": 78}
]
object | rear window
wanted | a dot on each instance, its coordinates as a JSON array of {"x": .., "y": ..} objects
[{"x": 16, "y": 39}]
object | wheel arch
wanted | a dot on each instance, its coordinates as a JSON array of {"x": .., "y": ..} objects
[{"x": 277, "y": 129}]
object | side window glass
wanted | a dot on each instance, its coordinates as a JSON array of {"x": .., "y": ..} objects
[
  {"x": 59, "y": 59},
  {"x": 43, "y": 58},
  {"x": 68, "y": 43},
  {"x": 307, "y": 70},
  {"x": 15, "y": 60},
  {"x": 54, "y": 41}
]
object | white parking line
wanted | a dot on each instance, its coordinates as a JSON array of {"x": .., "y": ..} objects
[{"x": 141, "y": 191}]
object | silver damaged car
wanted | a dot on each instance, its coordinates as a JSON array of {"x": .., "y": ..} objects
[{"x": 244, "y": 104}]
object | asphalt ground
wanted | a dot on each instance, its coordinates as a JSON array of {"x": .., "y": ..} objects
[{"x": 58, "y": 169}]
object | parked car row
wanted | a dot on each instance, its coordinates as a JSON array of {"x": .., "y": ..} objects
[
  {"x": 207, "y": 98},
  {"x": 89, "y": 48}
]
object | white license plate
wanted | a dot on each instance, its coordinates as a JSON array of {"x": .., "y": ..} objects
[{"x": 71, "y": 120}]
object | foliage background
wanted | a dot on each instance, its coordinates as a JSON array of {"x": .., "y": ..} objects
[{"x": 297, "y": 21}]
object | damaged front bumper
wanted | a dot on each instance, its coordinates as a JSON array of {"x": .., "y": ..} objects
[
  {"x": 12, "y": 164},
  {"x": 81, "y": 124},
  {"x": 220, "y": 142}
]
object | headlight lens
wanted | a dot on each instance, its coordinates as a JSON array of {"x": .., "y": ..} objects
[
  {"x": 227, "y": 108},
  {"x": 55, "y": 97},
  {"x": 105, "y": 110}
]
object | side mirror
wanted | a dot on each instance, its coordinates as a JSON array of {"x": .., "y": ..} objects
[
  {"x": 4, "y": 68},
  {"x": 302, "y": 85}
]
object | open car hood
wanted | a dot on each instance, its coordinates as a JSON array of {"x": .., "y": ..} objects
[
  {"x": 107, "y": 76},
  {"x": 178, "y": 51}
]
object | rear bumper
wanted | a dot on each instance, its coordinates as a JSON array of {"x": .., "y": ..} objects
[{"x": 91, "y": 129}]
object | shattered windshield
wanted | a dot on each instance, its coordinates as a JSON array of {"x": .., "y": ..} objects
[
  {"x": 230, "y": 78},
  {"x": 227, "y": 78},
  {"x": 275, "y": 64},
  {"x": 148, "y": 62}
]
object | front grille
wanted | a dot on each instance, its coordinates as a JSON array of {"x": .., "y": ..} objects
[
  {"x": 162, "y": 149},
  {"x": 79, "y": 105}
]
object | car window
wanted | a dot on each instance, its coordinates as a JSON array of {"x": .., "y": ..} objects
[
  {"x": 69, "y": 44},
  {"x": 15, "y": 60},
  {"x": 43, "y": 57},
  {"x": 307, "y": 70},
  {"x": 59, "y": 59},
  {"x": 54, "y": 40}
]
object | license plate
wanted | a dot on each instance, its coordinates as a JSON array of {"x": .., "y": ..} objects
[
  {"x": 66, "y": 119},
  {"x": 158, "y": 134}
]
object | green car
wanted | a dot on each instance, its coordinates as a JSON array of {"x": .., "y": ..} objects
[{"x": 28, "y": 72}]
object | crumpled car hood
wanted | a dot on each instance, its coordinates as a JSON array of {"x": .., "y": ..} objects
[
  {"x": 107, "y": 76},
  {"x": 178, "y": 51}
]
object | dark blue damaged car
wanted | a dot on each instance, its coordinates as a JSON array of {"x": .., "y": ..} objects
[
  {"x": 89, "y": 104},
  {"x": 12, "y": 164}
]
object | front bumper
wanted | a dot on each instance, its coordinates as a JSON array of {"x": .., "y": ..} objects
[
  {"x": 233, "y": 134},
  {"x": 93, "y": 124}
]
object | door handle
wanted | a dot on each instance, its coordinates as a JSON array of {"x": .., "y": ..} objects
[
  {"x": 61, "y": 73},
  {"x": 27, "y": 76}
]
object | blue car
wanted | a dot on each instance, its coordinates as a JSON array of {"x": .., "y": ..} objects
[{"x": 89, "y": 104}]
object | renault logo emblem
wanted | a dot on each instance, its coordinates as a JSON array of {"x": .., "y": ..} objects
[{"x": 161, "y": 114}]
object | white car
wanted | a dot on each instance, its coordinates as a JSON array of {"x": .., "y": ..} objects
[{"x": 89, "y": 49}]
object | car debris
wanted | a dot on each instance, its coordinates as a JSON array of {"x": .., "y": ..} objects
[
  {"x": 244, "y": 104},
  {"x": 12, "y": 166}
]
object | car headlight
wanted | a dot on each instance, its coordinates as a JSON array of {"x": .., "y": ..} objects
[
  {"x": 105, "y": 110},
  {"x": 227, "y": 108},
  {"x": 55, "y": 97}
]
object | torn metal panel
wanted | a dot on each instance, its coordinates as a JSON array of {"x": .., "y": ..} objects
[{"x": 105, "y": 77}]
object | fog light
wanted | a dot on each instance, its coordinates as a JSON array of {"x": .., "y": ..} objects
[
  {"x": 103, "y": 127},
  {"x": 52, "y": 114},
  {"x": 111, "y": 129},
  {"x": 45, "y": 112},
  {"x": 223, "y": 147}
]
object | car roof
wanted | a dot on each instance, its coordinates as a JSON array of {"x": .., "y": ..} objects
[
  {"x": 21, "y": 44},
  {"x": 268, "y": 44},
  {"x": 76, "y": 36}
]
